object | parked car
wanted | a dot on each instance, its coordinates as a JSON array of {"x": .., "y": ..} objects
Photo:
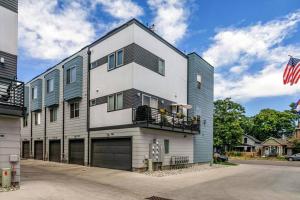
[
  {"x": 293, "y": 157},
  {"x": 220, "y": 158}
]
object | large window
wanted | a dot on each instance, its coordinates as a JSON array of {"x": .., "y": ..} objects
[
  {"x": 161, "y": 67},
  {"x": 120, "y": 56},
  {"x": 71, "y": 75},
  {"x": 25, "y": 121},
  {"x": 199, "y": 80},
  {"x": 37, "y": 118},
  {"x": 50, "y": 85},
  {"x": 53, "y": 114},
  {"x": 34, "y": 92},
  {"x": 150, "y": 101},
  {"x": 167, "y": 146},
  {"x": 111, "y": 61},
  {"x": 115, "y": 102},
  {"x": 74, "y": 109}
]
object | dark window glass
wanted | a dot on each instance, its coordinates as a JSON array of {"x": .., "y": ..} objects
[
  {"x": 167, "y": 146},
  {"x": 74, "y": 110},
  {"x": 111, "y": 61}
]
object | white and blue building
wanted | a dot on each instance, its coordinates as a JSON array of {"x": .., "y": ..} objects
[{"x": 104, "y": 105}]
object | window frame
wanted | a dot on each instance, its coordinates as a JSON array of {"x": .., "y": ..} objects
[
  {"x": 164, "y": 67},
  {"x": 69, "y": 76},
  {"x": 117, "y": 58},
  {"x": 116, "y": 101},
  {"x": 34, "y": 92},
  {"x": 53, "y": 114},
  {"x": 108, "y": 61},
  {"x": 109, "y": 109},
  {"x": 150, "y": 99},
  {"x": 25, "y": 121},
  {"x": 51, "y": 80},
  {"x": 166, "y": 147},
  {"x": 74, "y": 112},
  {"x": 37, "y": 118}
]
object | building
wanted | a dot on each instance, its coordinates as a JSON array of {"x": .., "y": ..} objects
[
  {"x": 297, "y": 131},
  {"x": 277, "y": 147},
  {"x": 11, "y": 90},
  {"x": 128, "y": 97},
  {"x": 250, "y": 144}
]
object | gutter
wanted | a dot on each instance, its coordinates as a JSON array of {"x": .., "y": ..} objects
[
  {"x": 63, "y": 118},
  {"x": 88, "y": 103}
]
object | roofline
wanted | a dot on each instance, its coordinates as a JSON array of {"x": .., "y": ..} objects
[
  {"x": 141, "y": 25},
  {"x": 253, "y": 138},
  {"x": 200, "y": 58},
  {"x": 50, "y": 68}
]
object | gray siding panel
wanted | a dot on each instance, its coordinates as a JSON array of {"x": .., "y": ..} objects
[
  {"x": 9, "y": 68},
  {"x": 36, "y": 104},
  {"x": 52, "y": 98},
  {"x": 10, "y": 4},
  {"x": 73, "y": 90},
  {"x": 202, "y": 102}
]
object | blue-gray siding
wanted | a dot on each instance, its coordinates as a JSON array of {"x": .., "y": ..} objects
[
  {"x": 52, "y": 98},
  {"x": 202, "y": 102},
  {"x": 73, "y": 90},
  {"x": 36, "y": 104},
  {"x": 10, "y": 4}
]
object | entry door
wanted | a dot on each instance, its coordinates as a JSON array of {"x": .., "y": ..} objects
[
  {"x": 38, "y": 150},
  {"x": 112, "y": 153},
  {"x": 54, "y": 150},
  {"x": 76, "y": 151},
  {"x": 25, "y": 149}
]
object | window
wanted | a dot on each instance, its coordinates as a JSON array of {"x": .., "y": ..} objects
[
  {"x": 71, "y": 75},
  {"x": 150, "y": 101},
  {"x": 25, "y": 121},
  {"x": 111, "y": 103},
  {"x": 161, "y": 67},
  {"x": 199, "y": 80},
  {"x": 34, "y": 92},
  {"x": 37, "y": 118},
  {"x": 245, "y": 141},
  {"x": 167, "y": 146},
  {"x": 50, "y": 85},
  {"x": 119, "y": 101},
  {"x": 74, "y": 109},
  {"x": 115, "y": 102},
  {"x": 120, "y": 57},
  {"x": 111, "y": 61},
  {"x": 53, "y": 114}
]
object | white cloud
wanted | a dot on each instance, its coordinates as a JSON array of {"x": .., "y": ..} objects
[
  {"x": 258, "y": 54},
  {"x": 48, "y": 33},
  {"x": 121, "y": 9},
  {"x": 170, "y": 18}
]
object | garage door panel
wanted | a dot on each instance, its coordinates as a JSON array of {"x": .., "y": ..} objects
[
  {"x": 112, "y": 153},
  {"x": 38, "y": 150},
  {"x": 76, "y": 152},
  {"x": 54, "y": 151},
  {"x": 25, "y": 149}
]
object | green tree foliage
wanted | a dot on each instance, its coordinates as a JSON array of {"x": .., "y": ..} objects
[
  {"x": 272, "y": 123},
  {"x": 228, "y": 117}
]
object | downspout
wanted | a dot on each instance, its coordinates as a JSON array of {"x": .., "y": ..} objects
[
  {"x": 88, "y": 103},
  {"x": 31, "y": 134},
  {"x": 63, "y": 118},
  {"x": 45, "y": 133}
]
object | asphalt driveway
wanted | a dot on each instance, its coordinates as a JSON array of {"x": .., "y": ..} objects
[{"x": 54, "y": 181}]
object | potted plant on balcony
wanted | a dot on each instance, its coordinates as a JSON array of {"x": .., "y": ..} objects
[
  {"x": 180, "y": 115},
  {"x": 163, "y": 116}
]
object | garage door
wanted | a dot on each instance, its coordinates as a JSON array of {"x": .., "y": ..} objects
[
  {"x": 38, "y": 150},
  {"x": 112, "y": 153},
  {"x": 25, "y": 149},
  {"x": 54, "y": 150},
  {"x": 76, "y": 152}
]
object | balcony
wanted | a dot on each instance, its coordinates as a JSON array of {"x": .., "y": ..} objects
[
  {"x": 11, "y": 97},
  {"x": 147, "y": 117}
]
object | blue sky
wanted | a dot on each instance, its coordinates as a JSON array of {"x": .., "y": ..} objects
[{"x": 248, "y": 42}]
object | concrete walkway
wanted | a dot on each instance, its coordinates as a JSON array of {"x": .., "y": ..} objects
[{"x": 47, "y": 181}]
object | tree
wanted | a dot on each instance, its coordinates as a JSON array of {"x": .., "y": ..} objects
[
  {"x": 228, "y": 117},
  {"x": 272, "y": 123}
]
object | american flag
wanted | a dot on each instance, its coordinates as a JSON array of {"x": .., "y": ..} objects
[{"x": 292, "y": 71}]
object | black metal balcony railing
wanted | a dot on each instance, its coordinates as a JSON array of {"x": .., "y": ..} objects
[
  {"x": 162, "y": 119},
  {"x": 11, "y": 93}
]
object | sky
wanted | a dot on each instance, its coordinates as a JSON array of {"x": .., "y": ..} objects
[{"x": 247, "y": 42}]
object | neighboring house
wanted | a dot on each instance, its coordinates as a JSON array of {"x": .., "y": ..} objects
[
  {"x": 125, "y": 98},
  {"x": 250, "y": 144},
  {"x": 297, "y": 132},
  {"x": 277, "y": 147},
  {"x": 11, "y": 90}
]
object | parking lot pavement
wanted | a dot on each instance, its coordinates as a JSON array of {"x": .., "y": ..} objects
[
  {"x": 55, "y": 181},
  {"x": 268, "y": 162}
]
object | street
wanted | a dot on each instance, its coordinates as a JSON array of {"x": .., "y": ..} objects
[{"x": 45, "y": 180}]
